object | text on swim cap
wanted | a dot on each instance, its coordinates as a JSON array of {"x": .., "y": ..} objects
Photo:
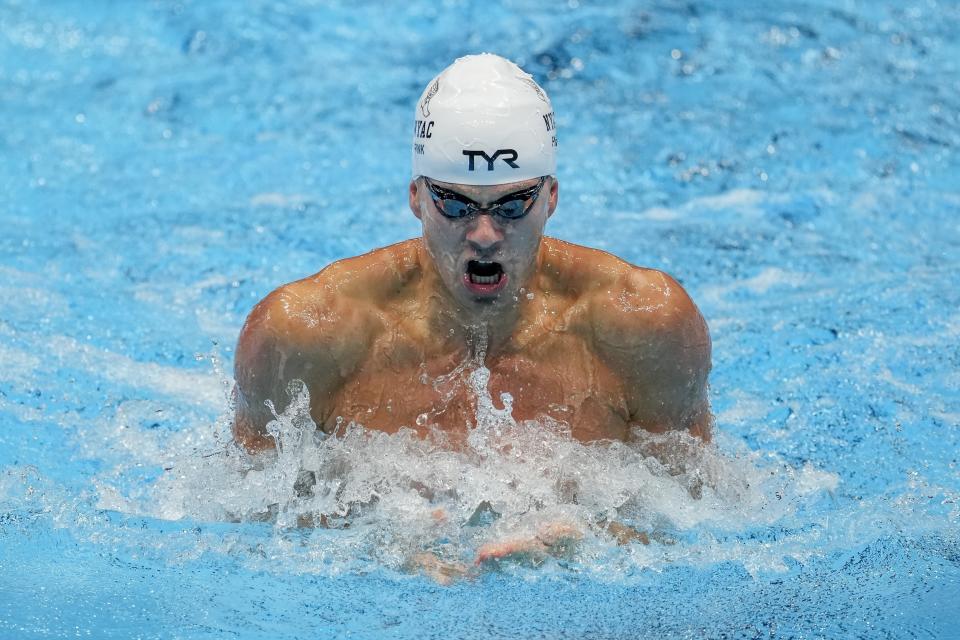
[
  {"x": 472, "y": 155},
  {"x": 422, "y": 129},
  {"x": 548, "y": 120}
]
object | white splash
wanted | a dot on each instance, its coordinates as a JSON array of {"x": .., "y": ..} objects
[{"x": 363, "y": 496}]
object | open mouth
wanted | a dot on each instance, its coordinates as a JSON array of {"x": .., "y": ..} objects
[
  {"x": 484, "y": 272},
  {"x": 484, "y": 277}
]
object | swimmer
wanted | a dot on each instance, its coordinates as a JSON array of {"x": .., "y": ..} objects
[{"x": 571, "y": 333}]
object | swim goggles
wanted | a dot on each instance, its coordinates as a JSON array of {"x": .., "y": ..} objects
[{"x": 512, "y": 206}]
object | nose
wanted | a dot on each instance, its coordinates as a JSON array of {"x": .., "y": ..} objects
[{"x": 484, "y": 234}]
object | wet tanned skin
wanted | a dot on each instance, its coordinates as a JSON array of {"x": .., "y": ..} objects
[{"x": 576, "y": 334}]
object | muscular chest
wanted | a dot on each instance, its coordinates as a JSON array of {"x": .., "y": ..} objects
[{"x": 399, "y": 387}]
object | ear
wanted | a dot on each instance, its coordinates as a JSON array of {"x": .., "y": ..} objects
[
  {"x": 554, "y": 196},
  {"x": 414, "y": 200}
]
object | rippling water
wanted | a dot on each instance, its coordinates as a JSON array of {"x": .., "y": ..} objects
[{"x": 163, "y": 166}]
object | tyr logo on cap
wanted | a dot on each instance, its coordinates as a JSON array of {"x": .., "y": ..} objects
[{"x": 472, "y": 155}]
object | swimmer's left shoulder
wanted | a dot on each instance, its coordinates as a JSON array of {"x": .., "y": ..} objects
[
  {"x": 580, "y": 269},
  {"x": 647, "y": 307},
  {"x": 610, "y": 279},
  {"x": 654, "y": 293}
]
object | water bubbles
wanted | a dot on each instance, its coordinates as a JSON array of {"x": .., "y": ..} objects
[{"x": 391, "y": 498}]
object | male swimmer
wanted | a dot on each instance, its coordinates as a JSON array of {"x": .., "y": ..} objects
[{"x": 572, "y": 333}]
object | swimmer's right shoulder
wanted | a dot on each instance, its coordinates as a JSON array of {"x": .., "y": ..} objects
[
  {"x": 308, "y": 330},
  {"x": 307, "y": 311},
  {"x": 340, "y": 300},
  {"x": 291, "y": 308},
  {"x": 371, "y": 277}
]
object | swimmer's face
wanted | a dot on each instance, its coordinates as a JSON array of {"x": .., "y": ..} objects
[{"x": 483, "y": 259}]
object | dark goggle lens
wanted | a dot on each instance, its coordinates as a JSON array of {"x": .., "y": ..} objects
[
  {"x": 454, "y": 206},
  {"x": 513, "y": 208}
]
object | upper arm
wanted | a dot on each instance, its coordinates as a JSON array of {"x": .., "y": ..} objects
[
  {"x": 652, "y": 334},
  {"x": 290, "y": 335}
]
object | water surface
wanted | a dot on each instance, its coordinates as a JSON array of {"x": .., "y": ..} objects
[{"x": 165, "y": 165}]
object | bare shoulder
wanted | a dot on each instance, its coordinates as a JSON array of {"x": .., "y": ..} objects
[
  {"x": 337, "y": 302},
  {"x": 645, "y": 327},
  {"x": 368, "y": 278},
  {"x": 627, "y": 304},
  {"x": 649, "y": 310},
  {"x": 298, "y": 315},
  {"x": 317, "y": 331}
]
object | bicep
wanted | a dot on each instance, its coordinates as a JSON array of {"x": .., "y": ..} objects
[
  {"x": 662, "y": 352},
  {"x": 669, "y": 391},
  {"x": 258, "y": 379}
]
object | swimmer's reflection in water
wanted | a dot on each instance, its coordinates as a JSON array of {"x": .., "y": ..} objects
[{"x": 572, "y": 334}]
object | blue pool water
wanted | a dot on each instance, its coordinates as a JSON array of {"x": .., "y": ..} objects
[{"x": 164, "y": 165}]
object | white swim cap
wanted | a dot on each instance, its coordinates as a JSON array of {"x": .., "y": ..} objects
[{"x": 483, "y": 120}]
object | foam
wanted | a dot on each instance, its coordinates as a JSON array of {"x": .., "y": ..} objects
[
  {"x": 391, "y": 496},
  {"x": 280, "y": 200},
  {"x": 761, "y": 283},
  {"x": 746, "y": 202}
]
